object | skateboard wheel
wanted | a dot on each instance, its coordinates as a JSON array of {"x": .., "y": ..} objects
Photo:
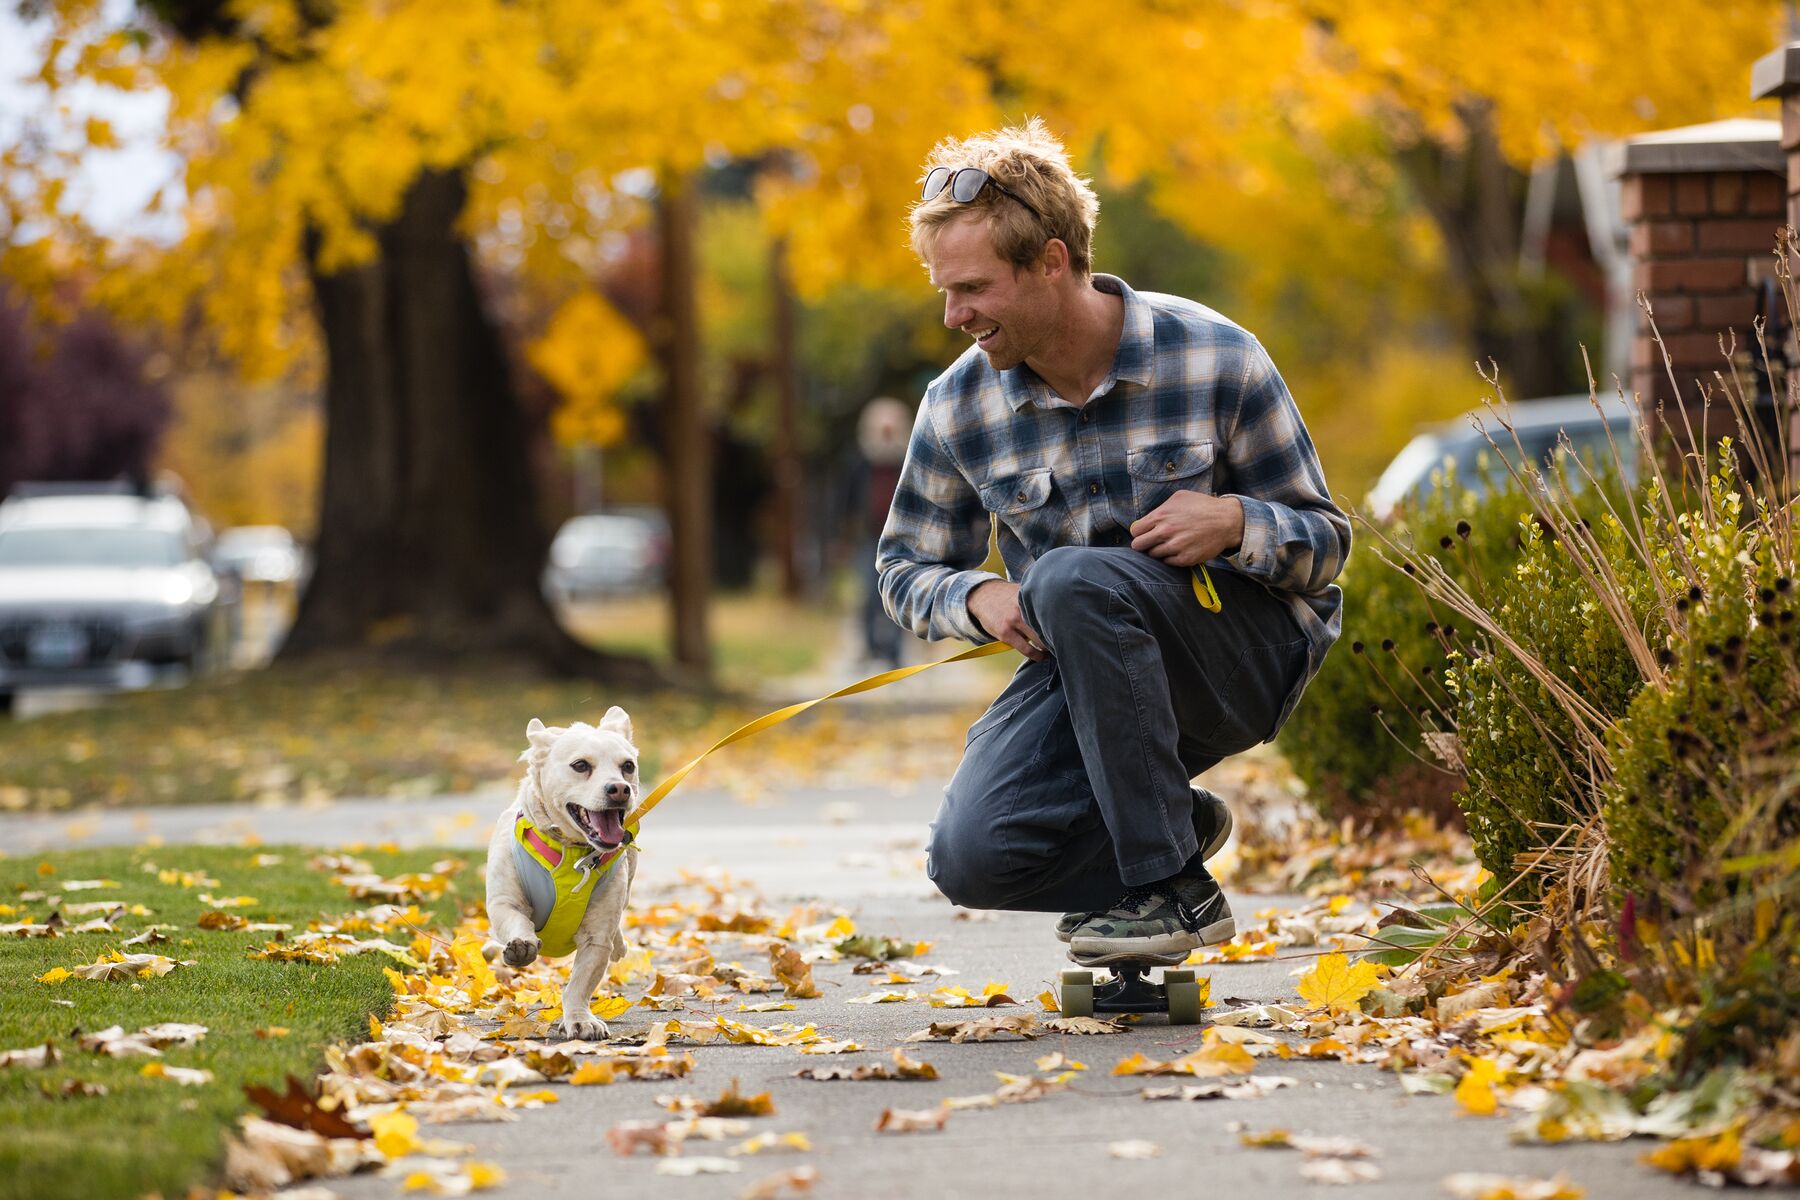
[
  {"x": 1184, "y": 1000},
  {"x": 1077, "y": 994}
]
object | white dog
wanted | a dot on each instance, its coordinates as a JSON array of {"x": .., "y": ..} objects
[{"x": 560, "y": 862}]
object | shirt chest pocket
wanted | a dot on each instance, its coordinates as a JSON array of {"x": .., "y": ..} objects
[
  {"x": 1024, "y": 503},
  {"x": 1158, "y": 472}
]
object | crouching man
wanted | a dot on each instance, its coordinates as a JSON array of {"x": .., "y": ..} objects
[{"x": 1122, "y": 439}]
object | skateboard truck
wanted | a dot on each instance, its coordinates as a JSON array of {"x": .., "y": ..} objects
[{"x": 1129, "y": 992}]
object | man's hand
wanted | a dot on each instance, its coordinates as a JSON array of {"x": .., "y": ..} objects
[
  {"x": 1189, "y": 528},
  {"x": 995, "y": 606}
]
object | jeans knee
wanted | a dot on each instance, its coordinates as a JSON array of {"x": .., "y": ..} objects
[
  {"x": 1052, "y": 584},
  {"x": 965, "y": 867}
]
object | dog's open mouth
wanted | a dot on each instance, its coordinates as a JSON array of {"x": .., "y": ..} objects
[{"x": 605, "y": 829}]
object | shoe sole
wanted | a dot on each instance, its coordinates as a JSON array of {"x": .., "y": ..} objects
[
  {"x": 1213, "y": 845},
  {"x": 1099, "y": 952}
]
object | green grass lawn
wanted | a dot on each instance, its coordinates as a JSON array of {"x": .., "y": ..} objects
[{"x": 149, "y": 1134}]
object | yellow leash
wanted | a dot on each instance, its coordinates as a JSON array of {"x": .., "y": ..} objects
[{"x": 1208, "y": 597}]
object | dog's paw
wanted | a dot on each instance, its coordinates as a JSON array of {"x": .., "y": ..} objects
[
  {"x": 520, "y": 952},
  {"x": 581, "y": 1028}
]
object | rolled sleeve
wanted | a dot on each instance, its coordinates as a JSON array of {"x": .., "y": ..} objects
[{"x": 935, "y": 538}]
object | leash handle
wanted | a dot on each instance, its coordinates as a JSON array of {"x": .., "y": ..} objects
[{"x": 1208, "y": 596}]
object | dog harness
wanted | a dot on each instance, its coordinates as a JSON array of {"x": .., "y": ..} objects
[{"x": 556, "y": 882}]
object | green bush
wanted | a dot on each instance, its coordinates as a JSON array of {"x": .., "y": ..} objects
[
  {"x": 1704, "y": 765},
  {"x": 1527, "y": 763},
  {"x": 1356, "y": 739}
]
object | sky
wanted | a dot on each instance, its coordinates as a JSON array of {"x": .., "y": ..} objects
[{"x": 112, "y": 186}]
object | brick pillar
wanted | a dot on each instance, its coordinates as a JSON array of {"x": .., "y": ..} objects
[
  {"x": 1776, "y": 76},
  {"x": 1704, "y": 205}
]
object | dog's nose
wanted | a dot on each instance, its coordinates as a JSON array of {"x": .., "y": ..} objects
[{"x": 618, "y": 791}]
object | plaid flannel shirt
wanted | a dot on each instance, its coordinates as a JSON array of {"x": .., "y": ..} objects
[{"x": 1193, "y": 403}]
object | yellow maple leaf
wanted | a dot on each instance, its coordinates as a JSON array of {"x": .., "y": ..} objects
[
  {"x": 54, "y": 975},
  {"x": 396, "y": 1133},
  {"x": 485, "y": 1175},
  {"x": 1476, "y": 1091},
  {"x": 1048, "y": 999},
  {"x": 594, "y": 1071},
  {"x": 1137, "y": 1064},
  {"x": 608, "y": 1007},
  {"x": 1336, "y": 984}
]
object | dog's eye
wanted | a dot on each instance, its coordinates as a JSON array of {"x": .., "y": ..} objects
[
  {"x": 628, "y": 766},
  {"x": 582, "y": 766}
]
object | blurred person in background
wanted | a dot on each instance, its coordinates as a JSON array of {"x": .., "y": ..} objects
[
  {"x": 1122, "y": 439},
  {"x": 881, "y": 433}
]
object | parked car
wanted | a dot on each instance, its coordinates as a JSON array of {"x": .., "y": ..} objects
[
  {"x": 101, "y": 588},
  {"x": 1539, "y": 425},
  {"x": 261, "y": 554},
  {"x": 606, "y": 554}
]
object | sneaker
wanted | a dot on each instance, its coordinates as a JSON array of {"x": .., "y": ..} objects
[
  {"x": 1147, "y": 922},
  {"x": 1210, "y": 813},
  {"x": 1203, "y": 906}
]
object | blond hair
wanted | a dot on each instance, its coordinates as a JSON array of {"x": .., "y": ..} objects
[{"x": 1028, "y": 160}]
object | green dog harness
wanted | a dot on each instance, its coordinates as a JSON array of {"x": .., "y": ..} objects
[{"x": 555, "y": 881}]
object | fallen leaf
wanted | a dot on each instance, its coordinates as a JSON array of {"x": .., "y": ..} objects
[
  {"x": 299, "y": 1109},
  {"x": 793, "y": 971},
  {"x": 900, "y": 1120},
  {"x": 628, "y": 1137},
  {"x": 886, "y": 998},
  {"x": 844, "y": 1047},
  {"x": 1083, "y": 1026},
  {"x": 770, "y": 1140},
  {"x": 185, "y": 1076},
  {"x": 903, "y": 1068},
  {"x": 1472, "y": 1185},
  {"x": 54, "y": 975},
  {"x": 698, "y": 1166},
  {"x": 1134, "y": 1149},
  {"x": 798, "y": 1180},
  {"x": 1023, "y": 1025},
  {"x": 1246, "y": 1089},
  {"x": 1337, "y": 985},
  {"x": 34, "y": 1057}
]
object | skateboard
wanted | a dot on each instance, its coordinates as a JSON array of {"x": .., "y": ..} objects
[{"x": 1128, "y": 991}]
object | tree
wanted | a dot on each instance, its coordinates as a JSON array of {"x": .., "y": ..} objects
[
  {"x": 348, "y": 168},
  {"x": 77, "y": 401}
]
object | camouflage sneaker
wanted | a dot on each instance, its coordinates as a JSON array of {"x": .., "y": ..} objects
[
  {"x": 1147, "y": 922},
  {"x": 1210, "y": 813},
  {"x": 1203, "y": 906}
]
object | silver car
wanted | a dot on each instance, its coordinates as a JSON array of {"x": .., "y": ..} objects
[
  {"x": 606, "y": 554},
  {"x": 99, "y": 590}
]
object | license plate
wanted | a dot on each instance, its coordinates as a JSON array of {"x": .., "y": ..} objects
[{"x": 57, "y": 646}]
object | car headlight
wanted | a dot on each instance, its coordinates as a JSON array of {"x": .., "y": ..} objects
[{"x": 178, "y": 591}]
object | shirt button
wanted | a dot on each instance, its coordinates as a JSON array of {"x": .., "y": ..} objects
[
  {"x": 1169, "y": 467},
  {"x": 1085, "y": 415},
  {"x": 1093, "y": 489},
  {"x": 1021, "y": 495}
]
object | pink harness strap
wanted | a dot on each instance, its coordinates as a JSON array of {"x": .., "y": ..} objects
[{"x": 553, "y": 853}]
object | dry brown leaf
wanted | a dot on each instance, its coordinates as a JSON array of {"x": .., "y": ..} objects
[
  {"x": 628, "y": 1137},
  {"x": 903, "y": 1068},
  {"x": 1082, "y": 1026},
  {"x": 1024, "y": 1025},
  {"x": 900, "y": 1120},
  {"x": 793, "y": 971},
  {"x": 35, "y": 1057},
  {"x": 299, "y": 1109},
  {"x": 798, "y": 1180}
]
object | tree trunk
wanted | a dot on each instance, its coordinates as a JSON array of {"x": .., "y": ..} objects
[
  {"x": 786, "y": 454},
  {"x": 429, "y": 538},
  {"x": 1477, "y": 200},
  {"x": 687, "y": 458}
]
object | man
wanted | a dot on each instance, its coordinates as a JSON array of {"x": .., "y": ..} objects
[{"x": 1122, "y": 439}]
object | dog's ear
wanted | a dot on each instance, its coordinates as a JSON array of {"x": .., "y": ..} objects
[
  {"x": 615, "y": 721},
  {"x": 541, "y": 737}
]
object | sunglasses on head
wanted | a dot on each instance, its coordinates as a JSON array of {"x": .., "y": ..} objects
[{"x": 965, "y": 183}]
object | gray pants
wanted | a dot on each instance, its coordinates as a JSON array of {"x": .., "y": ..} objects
[{"x": 1074, "y": 784}]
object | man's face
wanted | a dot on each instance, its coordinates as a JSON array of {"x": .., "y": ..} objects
[{"x": 983, "y": 294}]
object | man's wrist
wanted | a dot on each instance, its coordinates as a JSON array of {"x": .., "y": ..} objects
[{"x": 1237, "y": 536}]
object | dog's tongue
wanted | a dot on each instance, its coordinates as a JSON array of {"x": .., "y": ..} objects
[{"x": 611, "y": 825}]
